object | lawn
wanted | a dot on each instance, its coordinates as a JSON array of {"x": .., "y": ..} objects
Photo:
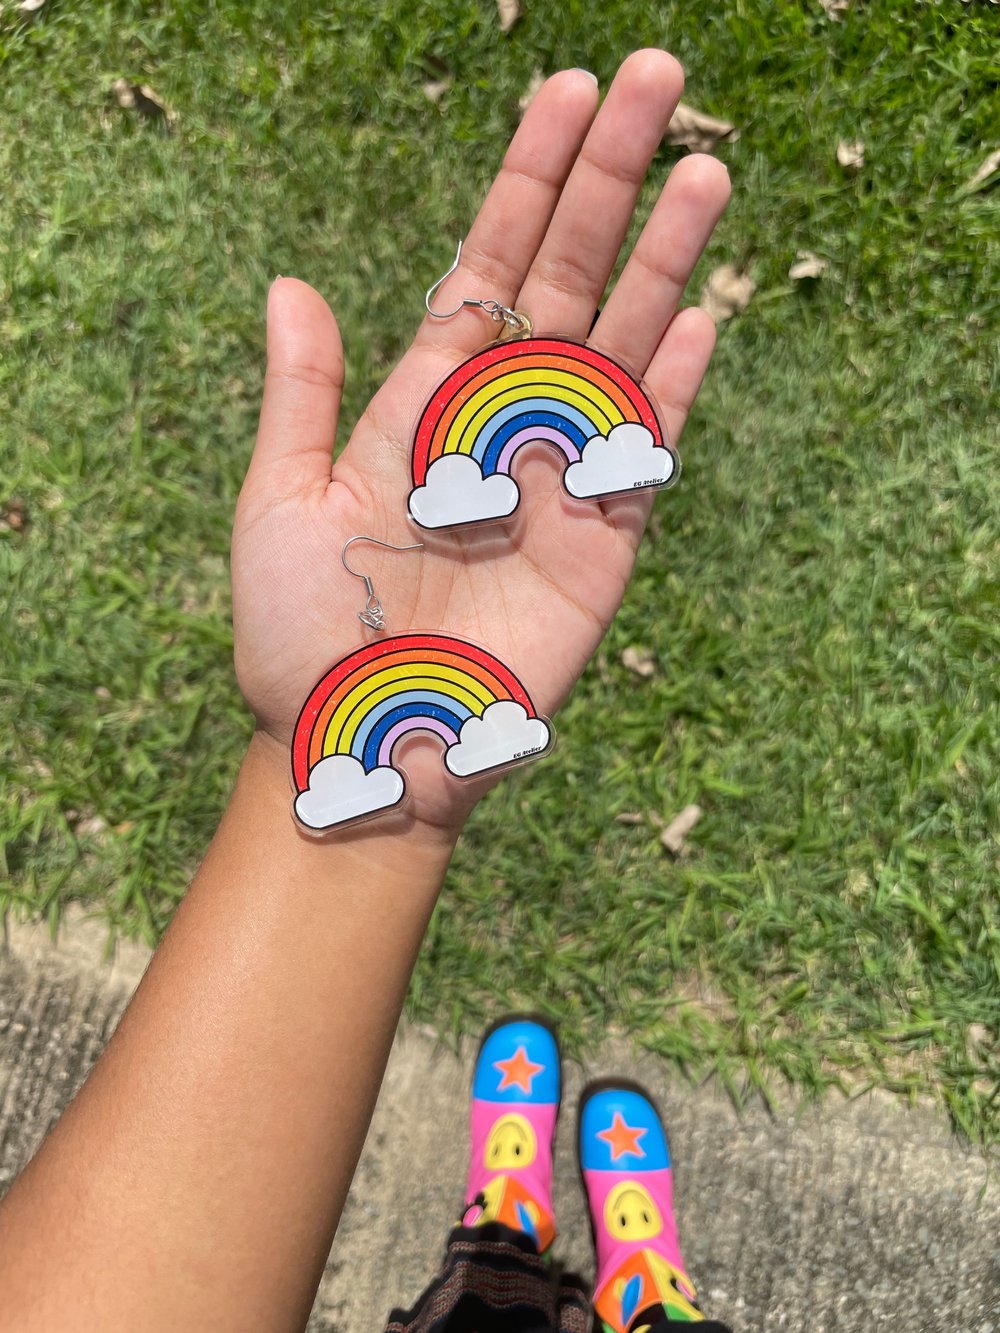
[{"x": 819, "y": 596}]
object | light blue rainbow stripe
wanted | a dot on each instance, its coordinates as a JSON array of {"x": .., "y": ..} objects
[{"x": 410, "y": 704}]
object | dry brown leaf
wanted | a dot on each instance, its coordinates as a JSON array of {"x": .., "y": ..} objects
[
  {"x": 510, "y": 12},
  {"x": 990, "y": 165},
  {"x": 697, "y": 131},
  {"x": 30, "y": 6},
  {"x": 529, "y": 94},
  {"x": 807, "y": 265},
  {"x": 639, "y": 660},
  {"x": 727, "y": 292},
  {"x": 14, "y": 516},
  {"x": 978, "y": 1038},
  {"x": 90, "y": 828},
  {"x": 150, "y": 104},
  {"x": 435, "y": 89},
  {"x": 630, "y": 817},
  {"x": 835, "y": 9},
  {"x": 140, "y": 97},
  {"x": 851, "y": 156},
  {"x": 677, "y": 830}
]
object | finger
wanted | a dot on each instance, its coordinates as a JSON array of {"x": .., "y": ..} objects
[
  {"x": 569, "y": 274},
  {"x": 551, "y": 521},
  {"x": 646, "y": 295},
  {"x": 302, "y": 386},
  {"x": 674, "y": 375},
  {"x": 678, "y": 366},
  {"x": 495, "y": 257},
  {"x": 509, "y": 228}
]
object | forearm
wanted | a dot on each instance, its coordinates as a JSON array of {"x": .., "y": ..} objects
[{"x": 198, "y": 1178}]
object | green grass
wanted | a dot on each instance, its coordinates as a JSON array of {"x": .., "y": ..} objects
[{"x": 820, "y": 593}]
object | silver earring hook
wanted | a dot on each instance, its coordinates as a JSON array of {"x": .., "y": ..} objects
[
  {"x": 496, "y": 311},
  {"x": 373, "y": 615}
]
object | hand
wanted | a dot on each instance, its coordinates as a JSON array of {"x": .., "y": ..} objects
[{"x": 538, "y": 593}]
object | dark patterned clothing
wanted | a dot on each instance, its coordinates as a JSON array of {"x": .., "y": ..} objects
[{"x": 493, "y": 1280}]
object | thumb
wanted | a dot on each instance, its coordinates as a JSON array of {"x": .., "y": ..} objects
[{"x": 303, "y": 383}]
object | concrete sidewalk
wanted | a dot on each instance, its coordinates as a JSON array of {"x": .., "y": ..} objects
[{"x": 850, "y": 1217}]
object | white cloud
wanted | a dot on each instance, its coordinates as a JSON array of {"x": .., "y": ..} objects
[
  {"x": 340, "y": 789},
  {"x": 455, "y": 491},
  {"x": 626, "y": 458},
  {"x": 502, "y": 735}
]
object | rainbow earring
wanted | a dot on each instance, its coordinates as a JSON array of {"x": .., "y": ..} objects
[
  {"x": 343, "y": 768},
  {"x": 525, "y": 389}
]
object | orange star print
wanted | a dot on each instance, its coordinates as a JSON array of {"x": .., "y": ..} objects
[
  {"x": 621, "y": 1139},
  {"x": 518, "y": 1071}
]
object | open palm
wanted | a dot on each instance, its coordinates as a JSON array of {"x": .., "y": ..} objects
[{"x": 538, "y": 592}]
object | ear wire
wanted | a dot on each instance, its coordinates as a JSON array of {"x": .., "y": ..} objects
[{"x": 373, "y": 615}]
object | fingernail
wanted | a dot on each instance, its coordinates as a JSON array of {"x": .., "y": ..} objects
[{"x": 580, "y": 70}]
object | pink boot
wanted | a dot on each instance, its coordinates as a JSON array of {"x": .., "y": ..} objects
[
  {"x": 626, "y": 1172},
  {"x": 515, "y": 1102}
]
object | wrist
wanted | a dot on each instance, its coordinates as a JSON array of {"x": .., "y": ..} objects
[{"x": 400, "y": 843}]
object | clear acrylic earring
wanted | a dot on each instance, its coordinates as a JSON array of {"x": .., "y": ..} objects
[
  {"x": 343, "y": 766},
  {"x": 523, "y": 389}
]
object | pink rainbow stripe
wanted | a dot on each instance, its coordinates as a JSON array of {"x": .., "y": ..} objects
[
  {"x": 413, "y": 724},
  {"x": 536, "y": 433}
]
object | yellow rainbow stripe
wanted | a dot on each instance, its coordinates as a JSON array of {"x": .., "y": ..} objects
[{"x": 569, "y": 389}]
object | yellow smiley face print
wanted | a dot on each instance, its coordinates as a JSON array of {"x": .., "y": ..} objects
[
  {"x": 511, "y": 1144},
  {"x": 631, "y": 1214}
]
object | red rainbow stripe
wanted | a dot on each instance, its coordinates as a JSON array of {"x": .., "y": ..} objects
[
  {"x": 399, "y": 650},
  {"x": 495, "y": 361}
]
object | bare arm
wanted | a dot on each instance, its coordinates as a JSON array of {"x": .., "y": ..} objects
[{"x": 197, "y": 1179}]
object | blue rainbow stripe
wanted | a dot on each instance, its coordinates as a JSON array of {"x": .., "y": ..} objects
[
  {"x": 492, "y": 439},
  {"x": 411, "y": 704}
]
